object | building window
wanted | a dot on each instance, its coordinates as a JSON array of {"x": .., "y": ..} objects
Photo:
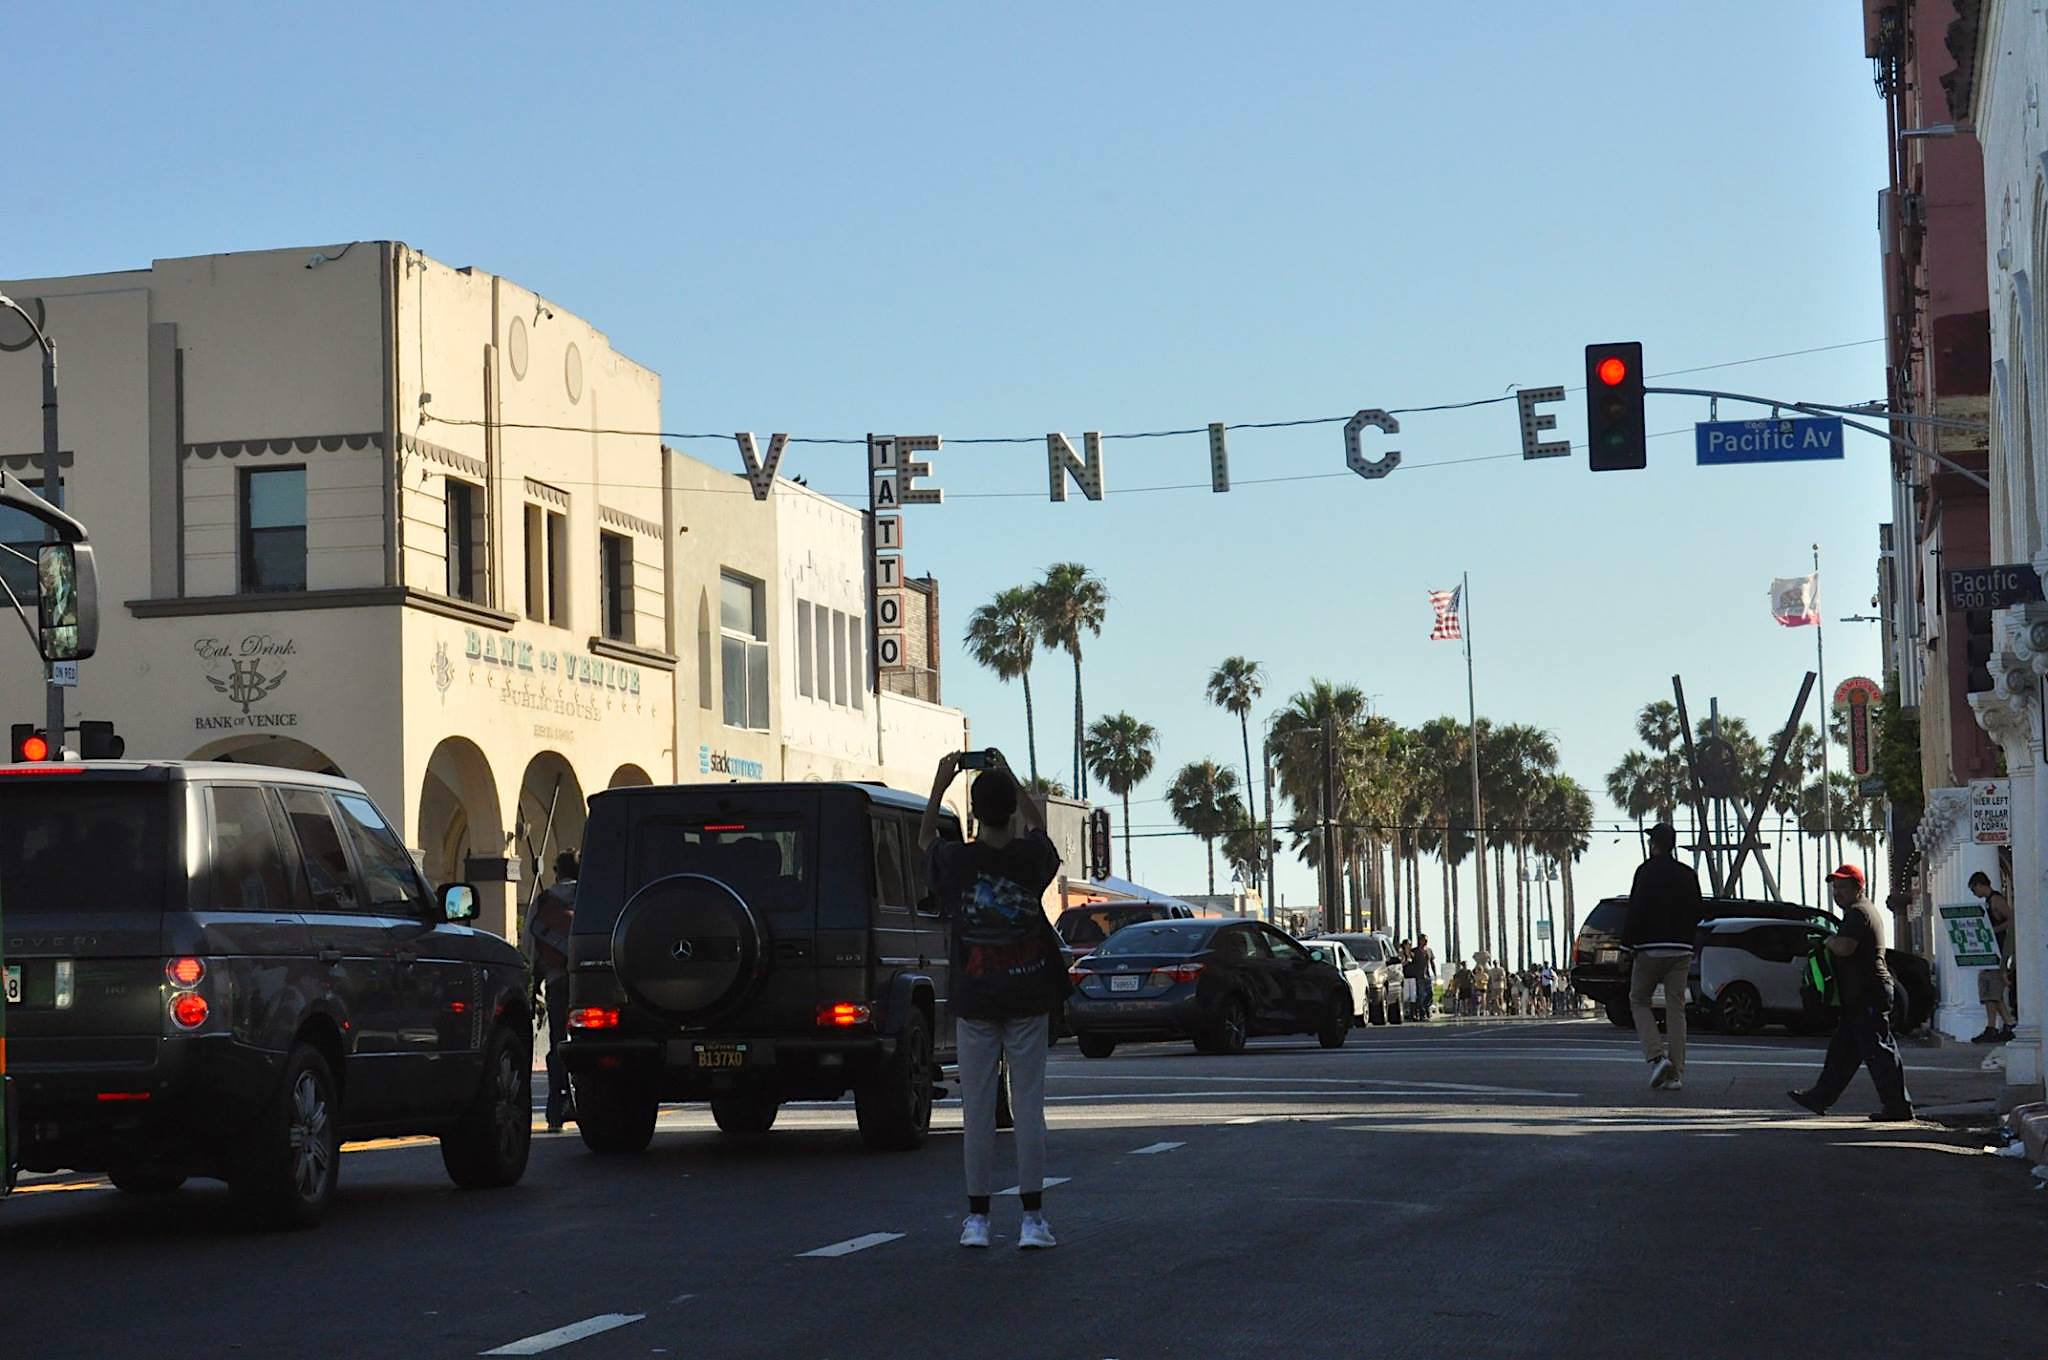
[
  {"x": 839, "y": 694},
  {"x": 465, "y": 582},
  {"x": 22, "y": 533},
  {"x": 615, "y": 567},
  {"x": 803, "y": 648},
  {"x": 743, "y": 652},
  {"x": 824, "y": 661},
  {"x": 273, "y": 529},
  {"x": 547, "y": 565},
  {"x": 856, "y": 659}
]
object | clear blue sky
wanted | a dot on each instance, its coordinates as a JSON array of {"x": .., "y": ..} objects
[{"x": 972, "y": 220}]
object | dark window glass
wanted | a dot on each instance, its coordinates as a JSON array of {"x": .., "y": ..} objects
[
  {"x": 82, "y": 848},
  {"x": 327, "y": 869},
  {"x": 274, "y": 529},
  {"x": 921, "y": 886},
  {"x": 1159, "y": 937},
  {"x": 462, "y": 574},
  {"x": 1282, "y": 947},
  {"x": 763, "y": 861},
  {"x": 1233, "y": 944},
  {"x": 891, "y": 886},
  {"x": 249, "y": 871},
  {"x": 388, "y": 873},
  {"x": 1085, "y": 926},
  {"x": 616, "y": 556},
  {"x": 22, "y": 533}
]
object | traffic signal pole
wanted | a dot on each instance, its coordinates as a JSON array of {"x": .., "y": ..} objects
[
  {"x": 55, "y": 692},
  {"x": 1821, "y": 409}
]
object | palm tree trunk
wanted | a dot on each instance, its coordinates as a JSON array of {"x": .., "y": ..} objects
[
  {"x": 1209, "y": 844},
  {"x": 1394, "y": 892},
  {"x": 1500, "y": 884},
  {"x": 1030, "y": 727},
  {"x": 1127, "y": 837},
  {"x": 1450, "y": 901},
  {"x": 1251, "y": 784},
  {"x": 1080, "y": 766}
]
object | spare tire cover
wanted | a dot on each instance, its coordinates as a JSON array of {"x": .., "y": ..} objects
[{"x": 687, "y": 947}]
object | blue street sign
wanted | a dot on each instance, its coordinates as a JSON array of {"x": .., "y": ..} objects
[{"x": 1800, "y": 439}]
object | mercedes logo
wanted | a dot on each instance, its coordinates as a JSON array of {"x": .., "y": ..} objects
[{"x": 682, "y": 951}]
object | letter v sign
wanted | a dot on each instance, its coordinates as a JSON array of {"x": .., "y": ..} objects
[{"x": 760, "y": 474}]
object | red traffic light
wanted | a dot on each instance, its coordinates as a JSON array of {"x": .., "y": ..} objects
[
  {"x": 1613, "y": 370},
  {"x": 35, "y": 747}
]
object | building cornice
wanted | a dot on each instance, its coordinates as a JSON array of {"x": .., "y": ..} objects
[
  {"x": 283, "y": 444},
  {"x": 626, "y": 651},
  {"x": 283, "y": 602}
]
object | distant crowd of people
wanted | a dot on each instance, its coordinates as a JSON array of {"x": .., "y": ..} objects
[{"x": 1481, "y": 986}]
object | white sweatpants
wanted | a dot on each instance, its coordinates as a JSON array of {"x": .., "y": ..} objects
[{"x": 983, "y": 1045}]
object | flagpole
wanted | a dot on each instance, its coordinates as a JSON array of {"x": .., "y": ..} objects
[
  {"x": 1472, "y": 727},
  {"x": 1827, "y": 713}
]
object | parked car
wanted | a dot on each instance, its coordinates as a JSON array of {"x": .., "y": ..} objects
[
  {"x": 1334, "y": 953},
  {"x": 749, "y": 945},
  {"x": 225, "y": 970},
  {"x": 1376, "y": 954},
  {"x": 1217, "y": 982},
  {"x": 1748, "y": 973},
  {"x": 1600, "y": 965}
]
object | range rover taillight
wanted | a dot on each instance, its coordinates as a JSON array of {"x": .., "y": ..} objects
[{"x": 185, "y": 972}]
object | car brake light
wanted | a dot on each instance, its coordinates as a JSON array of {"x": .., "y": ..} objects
[
  {"x": 185, "y": 972},
  {"x": 110, "y": 1097},
  {"x": 844, "y": 1015},
  {"x": 189, "y": 1009},
  {"x": 593, "y": 1017},
  {"x": 727, "y": 826},
  {"x": 13, "y": 771},
  {"x": 1075, "y": 973},
  {"x": 1181, "y": 972}
]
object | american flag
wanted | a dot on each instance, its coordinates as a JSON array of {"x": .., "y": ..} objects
[{"x": 1445, "y": 603}]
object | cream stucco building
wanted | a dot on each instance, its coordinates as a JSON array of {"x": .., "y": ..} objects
[{"x": 357, "y": 509}]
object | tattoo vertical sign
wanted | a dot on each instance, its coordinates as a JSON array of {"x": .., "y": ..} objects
[{"x": 893, "y": 473}]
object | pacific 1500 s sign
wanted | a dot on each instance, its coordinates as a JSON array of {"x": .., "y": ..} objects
[
  {"x": 247, "y": 672},
  {"x": 550, "y": 680}
]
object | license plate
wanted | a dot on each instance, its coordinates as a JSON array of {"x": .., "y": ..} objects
[
  {"x": 721, "y": 1055},
  {"x": 1610, "y": 956},
  {"x": 13, "y": 984},
  {"x": 1124, "y": 984}
]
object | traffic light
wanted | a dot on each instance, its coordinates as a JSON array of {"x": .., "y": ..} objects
[
  {"x": 97, "y": 740},
  {"x": 30, "y": 744},
  {"x": 1977, "y": 652},
  {"x": 1614, "y": 407}
]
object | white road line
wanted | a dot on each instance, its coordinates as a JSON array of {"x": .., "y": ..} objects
[
  {"x": 1323, "y": 1094},
  {"x": 1359, "y": 1084},
  {"x": 1246, "y": 1119},
  {"x": 562, "y": 1336},
  {"x": 852, "y": 1245},
  {"x": 1152, "y": 1148},
  {"x": 1050, "y": 1182}
]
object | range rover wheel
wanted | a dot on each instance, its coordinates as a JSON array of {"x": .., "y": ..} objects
[
  {"x": 292, "y": 1160},
  {"x": 894, "y": 1107},
  {"x": 746, "y": 1113},
  {"x": 1337, "y": 1025},
  {"x": 1739, "y": 1010},
  {"x": 614, "y": 1113},
  {"x": 1095, "y": 1045},
  {"x": 145, "y": 1180},
  {"x": 487, "y": 1149}
]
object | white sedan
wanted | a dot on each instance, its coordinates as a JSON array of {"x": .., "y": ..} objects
[{"x": 1339, "y": 956}]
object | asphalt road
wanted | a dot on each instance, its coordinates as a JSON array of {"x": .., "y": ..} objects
[{"x": 1452, "y": 1190}]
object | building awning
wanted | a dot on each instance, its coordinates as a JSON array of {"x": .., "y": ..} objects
[{"x": 1114, "y": 889}]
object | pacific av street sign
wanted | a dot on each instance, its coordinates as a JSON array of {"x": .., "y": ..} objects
[
  {"x": 1999, "y": 587},
  {"x": 1790, "y": 439}
]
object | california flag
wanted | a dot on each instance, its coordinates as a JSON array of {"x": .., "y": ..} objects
[{"x": 1795, "y": 600}]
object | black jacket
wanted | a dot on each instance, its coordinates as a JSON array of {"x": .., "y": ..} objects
[{"x": 1663, "y": 905}]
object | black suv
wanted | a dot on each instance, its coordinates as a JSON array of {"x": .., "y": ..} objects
[
  {"x": 752, "y": 944},
  {"x": 225, "y": 970}
]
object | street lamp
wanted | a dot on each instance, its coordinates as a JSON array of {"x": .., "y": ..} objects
[{"x": 54, "y": 693}]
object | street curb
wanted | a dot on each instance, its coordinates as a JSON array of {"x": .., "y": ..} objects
[{"x": 2030, "y": 1122}]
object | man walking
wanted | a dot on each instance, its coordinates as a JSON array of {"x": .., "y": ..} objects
[
  {"x": 1663, "y": 917},
  {"x": 1864, "y": 1037},
  {"x": 1008, "y": 978},
  {"x": 547, "y": 950},
  {"x": 1423, "y": 961},
  {"x": 1991, "y": 982}
]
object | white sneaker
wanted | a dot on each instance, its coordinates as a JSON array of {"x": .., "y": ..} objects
[
  {"x": 1036, "y": 1235},
  {"x": 1662, "y": 1075},
  {"x": 1675, "y": 1084},
  {"x": 974, "y": 1231}
]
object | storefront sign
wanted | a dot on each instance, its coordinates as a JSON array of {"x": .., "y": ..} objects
[
  {"x": 1970, "y": 935},
  {"x": 1991, "y": 811},
  {"x": 247, "y": 671},
  {"x": 892, "y": 485},
  {"x": 1857, "y": 695},
  {"x": 719, "y": 762},
  {"x": 580, "y": 669}
]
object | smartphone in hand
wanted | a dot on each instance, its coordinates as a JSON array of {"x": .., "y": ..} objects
[{"x": 978, "y": 760}]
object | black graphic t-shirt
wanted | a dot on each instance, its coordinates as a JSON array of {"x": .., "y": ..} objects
[{"x": 1007, "y": 963}]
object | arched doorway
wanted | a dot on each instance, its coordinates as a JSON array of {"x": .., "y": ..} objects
[
  {"x": 630, "y": 777},
  {"x": 286, "y": 753},
  {"x": 459, "y": 819},
  {"x": 550, "y": 817}
]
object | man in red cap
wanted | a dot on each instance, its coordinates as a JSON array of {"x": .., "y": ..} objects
[{"x": 1864, "y": 1038}]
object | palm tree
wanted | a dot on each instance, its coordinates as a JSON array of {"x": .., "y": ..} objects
[
  {"x": 1071, "y": 602},
  {"x": 1564, "y": 816},
  {"x": 1297, "y": 740},
  {"x": 1244, "y": 850},
  {"x": 1446, "y": 794},
  {"x": 1119, "y": 752},
  {"x": 1631, "y": 786},
  {"x": 1232, "y": 687},
  {"x": 1204, "y": 800},
  {"x": 1045, "y": 787},
  {"x": 1003, "y": 636},
  {"x": 1657, "y": 726},
  {"x": 1516, "y": 761}
]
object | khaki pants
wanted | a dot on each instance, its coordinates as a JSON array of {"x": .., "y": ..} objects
[{"x": 1647, "y": 972}]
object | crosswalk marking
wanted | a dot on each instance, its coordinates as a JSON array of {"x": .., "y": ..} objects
[
  {"x": 562, "y": 1336},
  {"x": 852, "y": 1244},
  {"x": 1151, "y": 1148}
]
